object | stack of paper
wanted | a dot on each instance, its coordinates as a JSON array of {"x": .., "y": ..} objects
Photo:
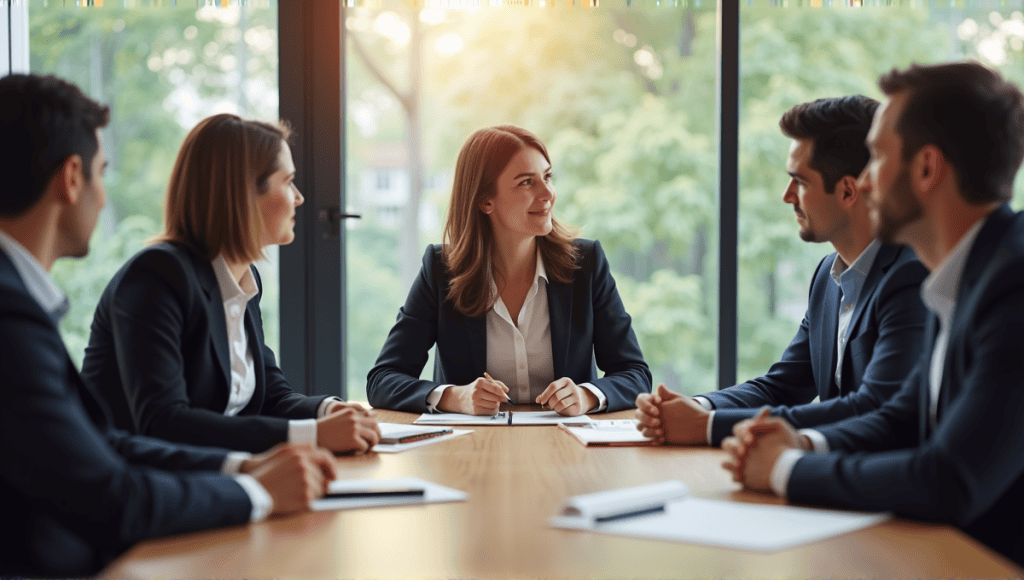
[
  {"x": 652, "y": 512},
  {"x": 608, "y": 433}
]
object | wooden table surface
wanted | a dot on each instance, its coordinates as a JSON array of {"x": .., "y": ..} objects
[{"x": 517, "y": 478}]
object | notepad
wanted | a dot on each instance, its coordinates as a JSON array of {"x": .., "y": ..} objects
[
  {"x": 607, "y": 433},
  {"x": 501, "y": 418},
  {"x": 665, "y": 511},
  {"x": 399, "y": 447},
  {"x": 385, "y": 492}
]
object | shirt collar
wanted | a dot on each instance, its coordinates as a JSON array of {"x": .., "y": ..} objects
[
  {"x": 861, "y": 266},
  {"x": 941, "y": 286},
  {"x": 231, "y": 289},
  {"x": 40, "y": 285}
]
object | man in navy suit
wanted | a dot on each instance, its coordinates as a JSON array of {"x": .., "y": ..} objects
[
  {"x": 945, "y": 147},
  {"x": 74, "y": 492},
  {"x": 862, "y": 330}
]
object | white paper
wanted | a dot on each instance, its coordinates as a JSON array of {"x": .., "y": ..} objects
[
  {"x": 608, "y": 431},
  {"x": 433, "y": 493},
  {"x": 743, "y": 526},
  {"x": 617, "y": 501},
  {"x": 397, "y": 447},
  {"x": 518, "y": 418}
]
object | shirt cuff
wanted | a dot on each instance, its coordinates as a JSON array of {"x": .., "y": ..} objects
[
  {"x": 321, "y": 411},
  {"x": 705, "y": 402},
  {"x": 602, "y": 401},
  {"x": 435, "y": 397},
  {"x": 302, "y": 431},
  {"x": 262, "y": 503},
  {"x": 818, "y": 440},
  {"x": 782, "y": 469},
  {"x": 711, "y": 422},
  {"x": 233, "y": 462}
]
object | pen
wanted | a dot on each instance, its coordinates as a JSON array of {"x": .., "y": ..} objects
[
  {"x": 629, "y": 514},
  {"x": 374, "y": 493},
  {"x": 490, "y": 378}
]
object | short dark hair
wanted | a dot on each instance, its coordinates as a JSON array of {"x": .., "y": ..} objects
[
  {"x": 973, "y": 115},
  {"x": 44, "y": 120},
  {"x": 838, "y": 126}
]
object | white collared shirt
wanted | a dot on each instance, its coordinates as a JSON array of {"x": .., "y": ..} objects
[
  {"x": 54, "y": 302},
  {"x": 236, "y": 296},
  {"x": 520, "y": 355},
  {"x": 938, "y": 292},
  {"x": 850, "y": 280}
]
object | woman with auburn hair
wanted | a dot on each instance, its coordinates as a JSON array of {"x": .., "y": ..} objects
[
  {"x": 511, "y": 293},
  {"x": 177, "y": 345}
]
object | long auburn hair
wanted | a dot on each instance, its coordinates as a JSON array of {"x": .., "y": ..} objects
[
  {"x": 468, "y": 249},
  {"x": 212, "y": 206}
]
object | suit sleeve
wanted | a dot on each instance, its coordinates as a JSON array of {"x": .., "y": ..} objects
[
  {"x": 58, "y": 463},
  {"x": 393, "y": 382},
  {"x": 149, "y": 311},
  {"x": 900, "y": 316},
  {"x": 280, "y": 399},
  {"x": 616, "y": 349},
  {"x": 973, "y": 457},
  {"x": 788, "y": 382}
]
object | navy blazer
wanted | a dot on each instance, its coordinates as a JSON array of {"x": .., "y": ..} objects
[
  {"x": 969, "y": 470},
  {"x": 158, "y": 353},
  {"x": 884, "y": 343},
  {"x": 75, "y": 493},
  {"x": 588, "y": 322}
]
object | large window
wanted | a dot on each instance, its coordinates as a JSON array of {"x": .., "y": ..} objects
[
  {"x": 623, "y": 96},
  {"x": 623, "y": 93},
  {"x": 161, "y": 69}
]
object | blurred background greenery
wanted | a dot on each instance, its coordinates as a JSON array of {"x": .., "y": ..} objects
[{"x": 623, "y": 94}]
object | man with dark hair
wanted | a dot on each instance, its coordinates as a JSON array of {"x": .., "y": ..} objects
[
  {"x": 862, "y": 330},
  {"x": 945, "y": 147},
  {"x": 74, "y": 492}
]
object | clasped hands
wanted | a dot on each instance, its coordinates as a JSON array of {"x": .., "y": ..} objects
[
  {"x": 756, "y": 445},
  {"x": 753, "y": 448},
  {"x": 484, "y": 396}
]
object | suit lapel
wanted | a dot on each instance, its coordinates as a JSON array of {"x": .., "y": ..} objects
[
  {"x": 829, "y": 329},
  {"x": 931, "y": 331},
  {"x": 883, "y": 260},
  {"x": 476, "y": 336},
  {"x": 253, "y": 343},
  {"x": 560, "y": 311},
  {"x": 215, "y": 312},
  {"x": 984, "y": 249}
]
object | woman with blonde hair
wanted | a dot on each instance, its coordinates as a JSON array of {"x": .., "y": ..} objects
[
  {"x": 177, "y": 343},
  {"x": 511, "y": 293}
]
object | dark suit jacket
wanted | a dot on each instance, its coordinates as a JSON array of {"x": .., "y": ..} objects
[
  {"x": 158, "y": 353},
  {"x": 969, "y": 471},
  {"x": 588, "y": 321},
  {"x": 74, "y": 493},
  {"x": 884, "y": 343}
]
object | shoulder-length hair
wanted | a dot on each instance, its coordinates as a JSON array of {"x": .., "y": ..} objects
[
  {"x": 212, "y": 207},
  {"x": 468, "y": 234}
]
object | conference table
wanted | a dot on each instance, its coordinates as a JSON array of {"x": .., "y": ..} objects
[{"x": 517, "y": 478}]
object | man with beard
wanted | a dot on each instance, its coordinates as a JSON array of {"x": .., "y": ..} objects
[
  {"x": 945, "y": 147},
  {"x": 861, "y": 334}
]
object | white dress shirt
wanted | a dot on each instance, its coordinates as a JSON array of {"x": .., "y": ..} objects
[
  {"x": 938, "y": 292},
  {"x": 236, "y": 296},
  {"x": 55, "y": 303},
  {"x": 850, "y": 280},
  {"x": 520, "y": 355}
]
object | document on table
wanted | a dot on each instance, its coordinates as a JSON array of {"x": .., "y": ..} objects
[
  {"x": 385, "y": 492},
  {"x": 398, "y": 447},
  {"x": 501, "y": 418},
  {"x": 664, "y": 511},
  {"x": 607, "y": 433}
]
